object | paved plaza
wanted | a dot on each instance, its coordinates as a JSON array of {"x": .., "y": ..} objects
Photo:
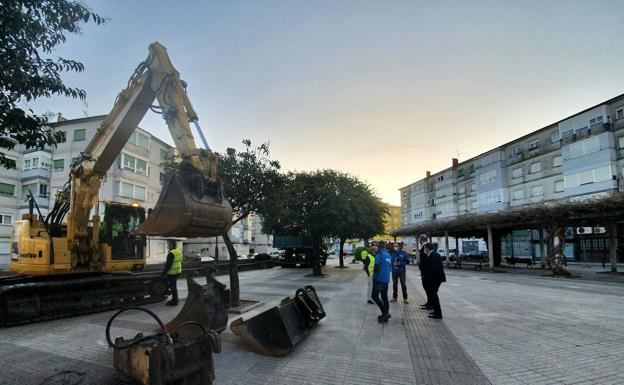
[{"x": 498, "y": 328}]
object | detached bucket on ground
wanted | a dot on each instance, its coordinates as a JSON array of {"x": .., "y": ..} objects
[
  {"x": 188, "y": 206},
  {"x": 278, "y": 330},
  {"x": 205, "y": 304}
]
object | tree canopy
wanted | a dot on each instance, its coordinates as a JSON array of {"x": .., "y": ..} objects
[
  {"x": 29, "y": 32},
  {"x": 325, "y": 203}
]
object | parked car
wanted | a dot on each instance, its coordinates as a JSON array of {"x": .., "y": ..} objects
[{"x": 262, "y": 257}]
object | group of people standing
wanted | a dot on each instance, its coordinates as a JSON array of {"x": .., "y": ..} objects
[{"x": 383, "y": 260}]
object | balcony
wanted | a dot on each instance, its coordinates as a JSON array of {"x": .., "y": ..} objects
[
  {"x": 586, "y": 132},
  {"x": 35, "y": 173}
]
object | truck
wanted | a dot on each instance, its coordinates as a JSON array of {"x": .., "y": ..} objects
[{"x": 296, "y": 250}]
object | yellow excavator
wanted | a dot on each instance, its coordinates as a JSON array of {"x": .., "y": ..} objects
[{"x": 86, "y": 255}]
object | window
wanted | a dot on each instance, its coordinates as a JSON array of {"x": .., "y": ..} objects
[
  {"x": 537, "y": 191},
  {"x": 584, "y": 147},
  {"x": 35, "y": 162},
  {"x": 534, "y": 144},
  {"x": 62, "y": 136},
  {"x": 129, "y": 190},
  {"x": 7, "y": 189},
  {"x": 567, "y": 133},
  {"x": 59, "y": 164},
  {"x": 440, "y": 178},
  {"x": 558, "y": 186},
  {"x": 516, "y": 151},
  {"x": 518, "y": 194},
  {"x": 27, "y": 164},
  {"x": 139, "y": 140},
  {"x": 27, "y": 188},
  {"x": 488, "y": 177},
  {"x": 557, "y": 160},
  {"x": 163, "y": 154},
  {"x": 621, "y": 141},
  {"x": 141, "y": 166},
  {"x": 473, "y": 187},
  {"x": 128, "y": 162},
  {"x": 461, "y": 189},
  {"x": 80, "y": 135},
  {"x": 516, "y": 172},
  {"x": 43, "y": 190},
  {"x": 75, "y": 160},
  {"x": 6, "y": 219},
  {"x": 535, "y": 167},
  {"x": 142, "y": 141},
  {"x": 619, "y": 113},
  {"x": 460, "y": 173},
  {"x": 595, "y": 121},
  {"x": 554, "y": 137},
  {"x": 472, "y": 168},
  {"x": 134, "y": 164},
  {"x": 473, "y": 205}
]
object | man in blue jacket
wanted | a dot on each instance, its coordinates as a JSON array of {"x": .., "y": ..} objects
[
  {"x": 435, "y": 275},
  {"x": 381, "y": 278},
  {"x": 399, "y": 260}
]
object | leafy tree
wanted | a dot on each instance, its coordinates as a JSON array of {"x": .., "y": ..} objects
[
  {"x": 359, "y": 211},
  {"x": 29, "y": 32},
  {"x": 248, "y": 176},
  {"x": 321, "y": 204}
]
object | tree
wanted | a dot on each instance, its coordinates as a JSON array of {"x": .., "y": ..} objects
[
  {"x": 248, "y": 176},
  {"x": 29, "y": 32},
  {"x": 325, "y": 203},
  {"x": 360, "y": 212}
]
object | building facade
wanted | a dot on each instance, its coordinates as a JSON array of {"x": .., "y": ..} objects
[
  {"x": 392, "y": 222},
  {"x": 577, "y": 157}
]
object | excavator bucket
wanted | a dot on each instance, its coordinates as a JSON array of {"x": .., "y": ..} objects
[
  {"x": 278, "y": 330},
  {"x": 188, "y": 207},
  {"x": 205, "y": 304}
]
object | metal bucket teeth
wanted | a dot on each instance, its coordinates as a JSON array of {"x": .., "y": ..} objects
[{"x": 186, "y": 209}]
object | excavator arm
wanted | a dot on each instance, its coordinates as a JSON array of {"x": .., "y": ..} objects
[{"x": 191, "y": 203}]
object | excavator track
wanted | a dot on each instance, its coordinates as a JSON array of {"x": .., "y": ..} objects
[{"x": 26, "y": 299}]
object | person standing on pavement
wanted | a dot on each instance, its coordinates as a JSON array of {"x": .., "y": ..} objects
[
  {"x": 381, "y": 278},
  {"x": 399, "y": 260},
  {"x": 435, "y": 274},
  {"x": 422, "y": 265},
  {"x": 173, "y": 269},
  {"x": 368, "y": 257}
]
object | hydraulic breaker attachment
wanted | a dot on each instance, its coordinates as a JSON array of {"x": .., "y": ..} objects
[
  {"x": 205, "y": 304},
  {"x": 278, "y": 330},
  {"x": 188, "y": 206},
  {"x": 166, "y": 358}
]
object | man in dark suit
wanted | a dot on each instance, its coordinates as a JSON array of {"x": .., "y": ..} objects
[
  {"x": 422, "y": 265},
  {"x": 435, "y": 276}
]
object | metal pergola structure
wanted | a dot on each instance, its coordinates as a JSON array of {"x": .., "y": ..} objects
[{"x": 607, "y": 211}]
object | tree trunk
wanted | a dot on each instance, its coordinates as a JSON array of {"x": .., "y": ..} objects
[
  {"x": 366, "y": 244},
  {"x": 342, "y": 242},
  {"x": 542, "y": 251},
  {"x": 612, "y": 229},
  {"x": 234, "y": 286},
  {"x": 556, "y": 257},
  {"x": 316, "y": 260}
]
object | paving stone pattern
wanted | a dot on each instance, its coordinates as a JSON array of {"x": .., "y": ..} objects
[
  {"x": 537, "y": 330},
  {"x": 497, "y": 328}
]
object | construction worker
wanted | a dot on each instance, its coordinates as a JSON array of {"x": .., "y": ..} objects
[
  {"x": 173, "y": 269},
  {"x": 368, "y": 258}
]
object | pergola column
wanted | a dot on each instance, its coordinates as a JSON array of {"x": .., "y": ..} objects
[
  {"x": 612, "y": 228},
  {"x": 541, "y": 248},
  {"x": 446, "y": 245},
  {"x": 490, "y": 246}
]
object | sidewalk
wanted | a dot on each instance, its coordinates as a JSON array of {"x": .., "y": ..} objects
[{"x": 348, "y": 347}]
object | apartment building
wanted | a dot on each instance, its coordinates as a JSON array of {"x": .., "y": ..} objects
[
  {"x": 392, "y": 222},
  {"x": 577, "y": 157}
]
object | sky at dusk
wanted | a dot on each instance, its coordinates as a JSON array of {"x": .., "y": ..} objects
[{"x": 384, "y": 90}]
